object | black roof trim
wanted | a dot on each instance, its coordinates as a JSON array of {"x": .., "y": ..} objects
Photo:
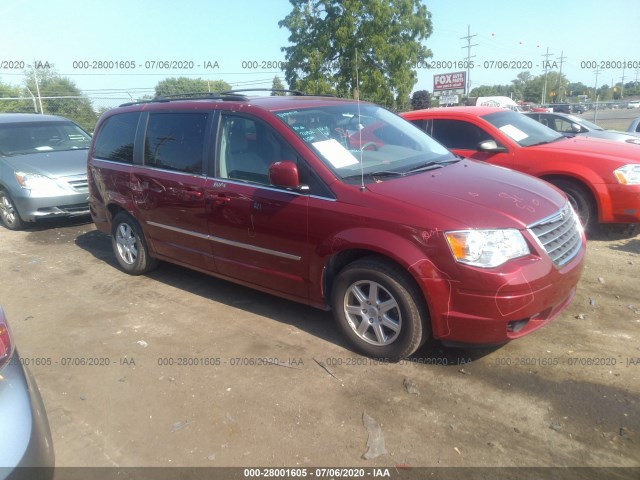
[{"x": 228, "y": 95}]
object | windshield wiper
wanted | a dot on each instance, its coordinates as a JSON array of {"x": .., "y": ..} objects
[
  {"x": 432, "y": 165},
  {"x": 544, "y": 142},
  {"x": 381, "y": 173}
]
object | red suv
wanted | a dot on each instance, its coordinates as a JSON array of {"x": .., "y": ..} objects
[
  {"x": 285, "y": 194},
  {"x": 600, "y": 177}
]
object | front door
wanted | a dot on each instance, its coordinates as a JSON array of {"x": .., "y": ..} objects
[{"x": 258, "y": 232}]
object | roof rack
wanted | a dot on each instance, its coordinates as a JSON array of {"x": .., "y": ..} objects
[
  {"x": 295, "y": 93},
  {"x": 229, "y": 96}
]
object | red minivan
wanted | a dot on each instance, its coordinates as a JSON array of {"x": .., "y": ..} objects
[{"x": 400, "y": 238}]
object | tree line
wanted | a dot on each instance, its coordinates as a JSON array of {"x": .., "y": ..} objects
[{"x": 529, "y": 88}]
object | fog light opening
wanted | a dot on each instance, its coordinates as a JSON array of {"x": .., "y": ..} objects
[{"x": 517, "y": 325}]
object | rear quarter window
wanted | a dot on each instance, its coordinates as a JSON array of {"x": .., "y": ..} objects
[{"x": 116, "y": 137}]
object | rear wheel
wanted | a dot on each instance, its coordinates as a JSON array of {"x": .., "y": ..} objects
[
  {"x": 8, "y": 212},
  {"x": 379, "y": 309},
  {"x": 130, "y": 246},
  {"x": 581, "y": 201}
]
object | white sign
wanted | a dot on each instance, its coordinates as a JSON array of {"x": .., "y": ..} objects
[
  {"x": 448, "y": 99},
  {"x": 335, "y": 153}
]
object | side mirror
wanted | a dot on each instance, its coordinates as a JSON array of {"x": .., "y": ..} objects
[
  {"x": 490, "y": 146},
  {"x": 575, "y": 128},
  {"x": 284, "y": 174}
]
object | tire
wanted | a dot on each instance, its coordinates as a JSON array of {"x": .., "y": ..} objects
[
  {"x": 8, "y": 212},
  {"x": 581, "y": 201},
  {"x": 130, "y": 246},
  {"x": 361, "y": 288}
]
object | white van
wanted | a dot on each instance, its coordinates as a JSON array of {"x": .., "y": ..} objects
[{"x": 498, "y": 101}]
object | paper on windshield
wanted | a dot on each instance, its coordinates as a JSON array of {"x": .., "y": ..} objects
[
  {"x": 513, "y": 132},
  {"x": 335, "y": 153}
]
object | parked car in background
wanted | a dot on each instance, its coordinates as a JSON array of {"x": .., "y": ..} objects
[
  {"x": 578, "y": 108},
  {"x": 25, "y": 437},
  {"x": 570, "y": 126},
  {"x": 600, "y": 177},
  {"x": 43, "y": 168},
  {"x": 341, "y": 205},
  {"x": 633, "y": 104},
  {"x": 561, "y": 107}
]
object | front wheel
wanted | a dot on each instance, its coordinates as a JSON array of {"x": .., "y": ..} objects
[
  {"x": 8, "y": 212},
  {"x": 581, "y": 202},
  {"x": 129, "y": 245},
  {"x": 379, "y": 309}
]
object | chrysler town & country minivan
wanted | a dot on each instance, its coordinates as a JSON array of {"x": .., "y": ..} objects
[{"x": 289, "y": 195}]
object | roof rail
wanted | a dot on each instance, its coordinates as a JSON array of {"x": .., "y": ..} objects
[
  {"x": 281, "y": 90},
  {"x": 229, "y": 96}
]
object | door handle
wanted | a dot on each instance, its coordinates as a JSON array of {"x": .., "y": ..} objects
[
  {"x": 194, "y": 194},
  {"x": 222, "y": 199}
]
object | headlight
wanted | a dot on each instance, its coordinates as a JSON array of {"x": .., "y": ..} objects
[
  {"x": 628, "y": 175},
  {"x": 486, "y": 248},
  {"x": 39, "y": 185}
]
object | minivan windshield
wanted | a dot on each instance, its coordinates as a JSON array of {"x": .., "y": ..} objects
[
  {"x": 365, "y": 139},
  {"x": 521, "y": 129},
  {"x": 22, "y": 138}
]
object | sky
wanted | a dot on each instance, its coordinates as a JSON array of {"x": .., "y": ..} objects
[{"x": 226, "y": 39}]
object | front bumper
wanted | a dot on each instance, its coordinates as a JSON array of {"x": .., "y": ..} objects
[
  {"x": 25, "y": 438},
  {"x": 35, "y": 208},
  {"x": 619, "y": 203},
  {"x": 494, "y": 307}
]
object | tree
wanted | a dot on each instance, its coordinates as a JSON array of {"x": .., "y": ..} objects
[
  {"x": 277, "y": 85},
  {"x": 60, "y": 96},
  {"x": 491, "y": 90},
  {"x": 520, "y": 84},
  {"x": 10, "y": 100},
  {"x": 386, "y": 34},
  {"x": 181, "y": 85},
  {"x": 420, "y": 99}
]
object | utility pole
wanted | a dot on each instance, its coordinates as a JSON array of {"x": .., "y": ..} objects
[
  {"x": 595, "y": 96},
  {"x": 469, "y": 57},
  {"x": 595, "y": 87},
  {"x": 622, "y": 86},
  {"x": 35, "y": 78},
  {"x": 546, "y": 69},
  {"x": 562, "y": 57}
]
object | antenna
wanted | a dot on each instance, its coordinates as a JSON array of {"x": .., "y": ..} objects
[{"x": 358, "y": 126}]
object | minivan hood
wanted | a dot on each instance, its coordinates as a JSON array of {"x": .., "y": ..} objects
[
  {"x": 51, "y": 164},
  {"x": 476, "y": 195}
]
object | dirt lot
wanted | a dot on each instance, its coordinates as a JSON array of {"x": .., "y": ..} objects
[{"x": 181, "y": 369}]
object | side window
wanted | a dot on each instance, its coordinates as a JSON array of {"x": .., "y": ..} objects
[
  {"x": 459, "y": 134},
  {"x": 116, "y": 137},
  {"x": 563, "y": 126},
  {"x": 175, "y": 141},
  {"x": 424, "y": 125},
  {"x": 247, "y": 148}
]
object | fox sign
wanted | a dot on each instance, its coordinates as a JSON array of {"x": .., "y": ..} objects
[{"x": 448, "y": 81}]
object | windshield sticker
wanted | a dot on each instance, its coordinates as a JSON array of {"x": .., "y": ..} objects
[
  {"x": 335, "y": 153},
  {"x": 513, "y": 132}
]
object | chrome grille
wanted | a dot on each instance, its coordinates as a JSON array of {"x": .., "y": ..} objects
[{"x": 560, "y": 235}]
